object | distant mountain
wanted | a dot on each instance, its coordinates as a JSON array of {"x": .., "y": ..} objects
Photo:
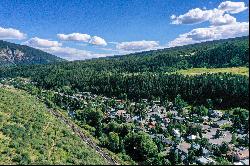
[{"x": 15, "y": 54}]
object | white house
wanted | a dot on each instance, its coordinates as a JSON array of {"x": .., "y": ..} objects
[
  {"x": 205, "y": 160},
  {"x": 191, "y": 137},
  {"x": 176, "y": 132}
]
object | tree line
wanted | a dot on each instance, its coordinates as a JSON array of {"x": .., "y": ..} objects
[{"x": 143, "y": 75}]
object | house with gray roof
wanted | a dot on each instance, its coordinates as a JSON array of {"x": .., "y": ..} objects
[{"x": 205, "y": 160}]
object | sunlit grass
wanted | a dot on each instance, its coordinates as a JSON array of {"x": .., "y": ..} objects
[{"x": 197, "y": 71}]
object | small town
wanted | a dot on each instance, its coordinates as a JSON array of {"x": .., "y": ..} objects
[
  {"x": 204, "y": 133},
  {"x": 214, "y": 126}
]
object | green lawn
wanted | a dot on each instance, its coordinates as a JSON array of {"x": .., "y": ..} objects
[
  {"x": 31, "y": 135},
  {"x": 196, "y": 71}
]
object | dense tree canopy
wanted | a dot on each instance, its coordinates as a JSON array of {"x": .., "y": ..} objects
[
  {"x": 140, "y": 146},
  {"x": 145, "y": 75}
]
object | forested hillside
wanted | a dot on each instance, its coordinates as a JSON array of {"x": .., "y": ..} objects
[
  {"x": 221, "y": 53},
  {"x": 143, "y": 75},
  {"x": 29, "y": 134},
  {"x": 15, "y": 54},
  {"x": 130, "y": 104}
]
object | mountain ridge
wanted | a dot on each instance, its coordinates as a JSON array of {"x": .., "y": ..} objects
[{"x": 16, "y": 54}]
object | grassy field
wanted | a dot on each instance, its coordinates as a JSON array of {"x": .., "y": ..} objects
[
  {"x": 234, "y": 70},
  {"x": 29, "y": 134}
]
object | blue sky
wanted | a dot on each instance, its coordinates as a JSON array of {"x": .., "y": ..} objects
[{"x": 95, "y": 28}]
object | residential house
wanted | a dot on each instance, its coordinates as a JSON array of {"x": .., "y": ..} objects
[
  {"x": 195, "y": 146},
  {"x": 162, "y": 138},
  {"x": 164, "y": 127},
  {"x": 205, "y": 152},
  {"x": 226, "y": 136},
  {"x": 191, "y": 137},
  {"x": 151, "y": 125},
  {"x": 215, "y": 113},
  {"x": 85, "y": 93},
  {"x": 132, "y": 104},
  {"x": 178, "y": 119},
  {"x": 166, "y": 120},
  {"x": 205, "y": 128},
  {"x": 136, "y": 118},
  {"x": 127, "y": 117},
  {"x": 162, "y": 110},
  {"x": 183, "y": 149},
  {"x": 241, "y": 154},
  {"x": 154, "y": 113},
  {"x": 176, "y": 132},
  {"x": 118, "y": 101},
  {"x": 205, "y": 160},
  {"x": 120, "y": 113},
  {"x": 120, "y": 106},
  {"x": 205, "y": 120},
  {"x": 157, "y": 102},
  {"x": 173, "y": 112},
  {"x": 170, "y": 104}
]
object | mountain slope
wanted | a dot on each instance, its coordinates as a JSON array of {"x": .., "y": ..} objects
[
  {"x": 29, "y": 134},
  {"x": 15, "y": 54},
  {"x": 220, "y": 53},
  {"x": 213, "y": 54},
  {"x": 143, "y": 75}
]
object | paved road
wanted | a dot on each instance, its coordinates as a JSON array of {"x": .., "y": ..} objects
[{"x": 84, "y": 138}]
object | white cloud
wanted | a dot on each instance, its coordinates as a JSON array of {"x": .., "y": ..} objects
[
  {"x": 10, "y": 33},
  {"x": 222, "y": 20},
  {"x": 216, "y": 16},
  {"x": 232, "y": 7},
  {"x": 180, "y": 41},
  {"x": 222, "y": 24},
  {"x": 112, "y": 42},
  {"x": 37, "y": 42},
  {"x": 95, "y": 40},
  {"x": 212, "y": 33},
  {"x": 68, "y": 52},
  {"x": 137, "y": 45},
  {"x": 72, "y": 53},
  {"x": 75, "y": 37},
  {"x": 192, "y": 16}
]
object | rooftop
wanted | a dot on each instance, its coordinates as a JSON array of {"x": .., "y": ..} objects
[{"x": 184, "y": 146}]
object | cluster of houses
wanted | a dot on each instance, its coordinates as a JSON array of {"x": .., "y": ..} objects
[
  {"x": 210, "y": 126},
  {"x": 155, "y": 113}
]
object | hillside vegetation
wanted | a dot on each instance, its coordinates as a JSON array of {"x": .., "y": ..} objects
[
  {"x": 15, "y": 54},
  {"x": 213, "y": 54},
  {"x": 124, "y": 102},
  {"x": 31, "y": 135},
  {"x": 142, "y": 75}
]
